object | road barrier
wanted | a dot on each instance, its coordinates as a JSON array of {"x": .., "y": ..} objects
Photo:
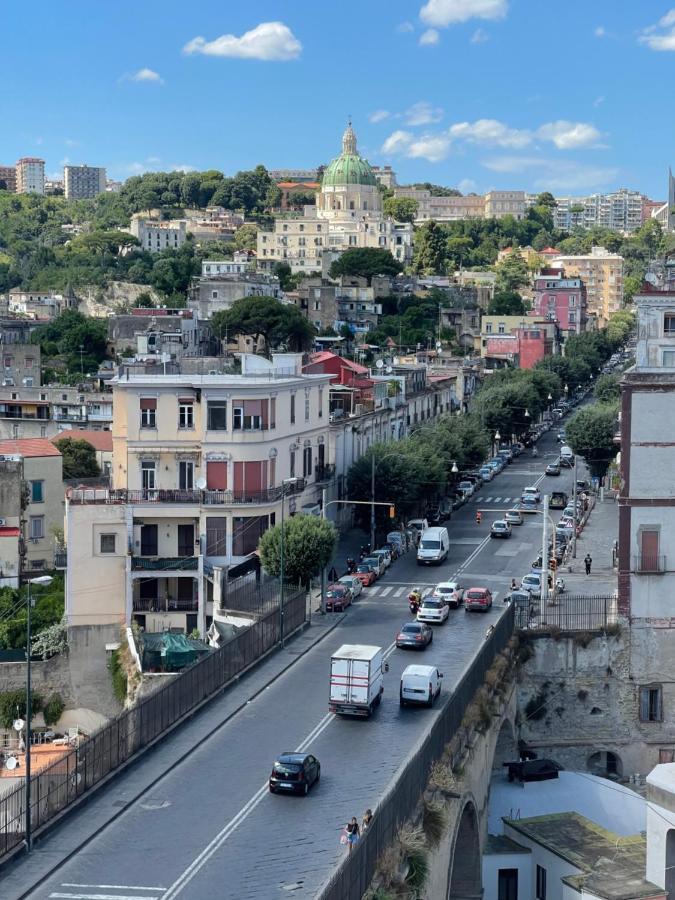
[
  {"x": 569, "y": 612},
  {"x": 65, "y": 781},
  {"x": 352, "y": 878}
]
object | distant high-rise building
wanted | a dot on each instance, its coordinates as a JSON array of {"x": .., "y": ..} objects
[
  {"x": 620, "y": 210},
  {"x": 8, "y": 178},
  {"x": 30, "y": 175},
  {"x": 670, "y": 211},
  {"x": 83, "y": 182},
  {"x": 602, "y": 273}
]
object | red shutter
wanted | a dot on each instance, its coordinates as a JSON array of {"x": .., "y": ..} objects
[
  {"x": 273, "y": 472},
  {"x": 148, "y": 403},
  {"x": 252, "y": 407},
  {"x": 239, "y": 478},
  {"x": 216, "y": 476},
  {"x": 264, "y": 407},
  {"x": 253, "y": 478}
]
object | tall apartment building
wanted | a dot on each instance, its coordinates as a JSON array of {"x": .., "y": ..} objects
[
  {"x": 21, "y": 364},
  {"x": 83, "y": 182},
  {"x": 602, "y": 273},
  {"x": 385, "y": 175},
  {"x": 8, "y": 179},
  {"x": 42, "y": 412},
  {"x": 621, "y": 210},
  {"x": 30, "y": 175}
]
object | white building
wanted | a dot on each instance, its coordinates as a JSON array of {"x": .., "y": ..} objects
[
  {"x": 83, "y": 182},
  {"x": 348, "y": 214},
  {"x": 30, "y": 175},
  {"x": 620, "y": 210},
  {"x": 154, "y": 235},
  {"x": 443, "y": 209}
]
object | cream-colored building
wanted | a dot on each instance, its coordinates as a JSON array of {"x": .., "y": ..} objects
[
  {"x": 154, "y": 235},
  {"x": 602, "y": 273},
  {"x": 199, "y": 466},
  {"x": 348, "y": 214},
  {"x": 30, "y": 175},
  {"x": 505, "y": 203},
  {"x": 443, "y": 209}
]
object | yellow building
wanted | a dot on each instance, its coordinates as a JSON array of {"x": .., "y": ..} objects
[{"x": 602, "y": 273}]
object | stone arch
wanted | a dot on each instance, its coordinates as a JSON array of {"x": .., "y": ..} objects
[
  {"x": 606, "y": 763},
  {"x": 506, "y": 748},
  {"x": 465, "y": 882}
]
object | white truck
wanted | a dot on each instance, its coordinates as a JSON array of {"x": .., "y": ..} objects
[{"x": 356, "y": 679}]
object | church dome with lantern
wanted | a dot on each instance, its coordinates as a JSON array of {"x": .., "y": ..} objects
[{"x": 349, "y": 188}]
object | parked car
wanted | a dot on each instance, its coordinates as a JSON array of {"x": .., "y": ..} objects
[
  {"x": 477, "y": 598},
  {"x": 553, "y": 468},
  {"x": 338, "y": 597},
  {"x": 506, "y": 454},
  {"x": 583, "y": 485},
  {"x": 450, "y": 592},
  {"x": 385, "y": 555},
  {"x": 353, "y": 583},
  {"x": 294, "y": 773},
  {"x": 558, "y": 500},
  {"x": 571, "y": 513},
  {"x": 366, "y": 574},
  {"x": 394, "y": 549},
  {"x": 420, "y": 685},
  {"x": 433, "y": 610},
  {"x": 487, "y": 473},
  {"x": 514, "y": 517},
  {"x": 377, "y": 564},
  {"x": 414, "y": 635},
  {"x": 466, "y": 486},
  {"x": 532, "y": 493},
  {"x": 531, "y": 583},
  {"x": 500, "y": 528},
  {"x": 497, "y": 463}
]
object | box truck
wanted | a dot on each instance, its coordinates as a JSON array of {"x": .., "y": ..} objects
[{"x": 356, "y": 679}]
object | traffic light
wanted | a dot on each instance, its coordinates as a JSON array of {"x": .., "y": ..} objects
[{"x": 392, "y": 512}]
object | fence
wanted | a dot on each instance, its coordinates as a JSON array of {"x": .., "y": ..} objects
[
  {"x": 355, "y": 873},
  {"x": 577, "y": 612},
  {"x": 55, "y": 788}
]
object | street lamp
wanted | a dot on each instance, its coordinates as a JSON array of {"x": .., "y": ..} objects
[
  {"x": 41, "y": 580},
  {"x": 290, "y": 482},
  {"x": 454, "y": 469}
]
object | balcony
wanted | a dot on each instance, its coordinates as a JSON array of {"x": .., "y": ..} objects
[
  {"x": 164, "y": 563},
  {"x": 84, "y": 496},
  {"x": 325, "y": 472},
  {"x": 649, "y": 564},
  {"x": 164, "y": 605},
  {"x": 69, "y": 416},
  {"x": 60, "y": 558}
]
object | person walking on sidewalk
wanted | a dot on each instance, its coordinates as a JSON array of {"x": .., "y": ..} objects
[
  {"x": 352, "y": 829},
  {"x": 588, "y": 561}
]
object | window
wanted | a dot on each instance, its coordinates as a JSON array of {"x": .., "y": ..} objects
[
  {"x": 292, "y": 464},
  {"x": 214, "y": 295},
  {"x": 488, "y": 328},
  {"x": 292, "y": 409},
  {"x": 186, "y": 415},
  {"x": 306, "y": 406},
  {"x": 666, "y": 756},
  {"x": 107, "y": 543},
  {"x": 507, "y": 884},
  {"x": 37, "y": 492},
  {"x": 669, "y": 323},
  {"x": 216, "y": 418},
  {"x": 186, "y": 540},
  {"x": 247, "y": 533},
  {"x": 216, "y": 536},
  {"x": 37, "y": 527},
  {"x": 148, "y": 407},
  {"x": 572, "y": 317},
  {"x": 29, "y": 362},
  {"x": 15, "y": 431},
  {"x": 668, "y": 359},
  {"x": 149, "y": 540},
  {"x": 307, "y": 462},
  {"x": 43, "y": 431},
  {"x": 651, "y": 703},
  {"x": 501, "y": 328},
  {"x": 320, "y": 403},
  {"x": 540, "y": 893},
  {"x": 148, "y": 474},
  {"x": 248, "y": 415},
  {"x": 186, "y": 475}
]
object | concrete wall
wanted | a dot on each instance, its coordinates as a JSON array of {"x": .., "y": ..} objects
[
  {"x": 496, "y": 861},
  {"x": 556, "y": 868}
]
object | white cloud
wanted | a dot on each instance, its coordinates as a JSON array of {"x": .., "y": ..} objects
[
  {"x": 431, "y": 147},
  {"x": 429, "y": 37},
  {"x": 661, "y": 36},
  {"x": 467, "y": 186},
  {"x": 570, "y": 135},
  {"x": 397, "y": 142},
  {"x": 405, "y": 27},
  {"x": 267, "y": 41},
  {"x": 490, "y": 131},
  {"x": 145, "y": 74},
  {"x": 600, "y": 31},
  {"x": 182, "y": 167},
  {"x": 553, "y": 174},
  {"x": 442, "y": 13},
  {"x": 480, "y": 36},
  {"x": 423, "y": 113},
  {"x": 378, "y": 116}
]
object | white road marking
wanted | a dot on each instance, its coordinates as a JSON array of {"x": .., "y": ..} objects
[
  {"x": 112, "y": 887},
  {"x": 479, "y": 500},
  {"x": 398, "y": 592},
  {"x": 386, "y": 591},
  {"x": 68, "y": 896},
  {"x": 488, "y": 499},
  {"x": 498, "y": 499},
  {"x": 373, "y": 589}
]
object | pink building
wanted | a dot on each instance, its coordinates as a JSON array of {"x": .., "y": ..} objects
[
  {"x": 561, "y": 300},
  {"x": 524, "y": 347}
]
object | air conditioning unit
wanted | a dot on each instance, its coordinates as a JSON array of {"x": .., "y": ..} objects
[{"x": 3, "y": 522}]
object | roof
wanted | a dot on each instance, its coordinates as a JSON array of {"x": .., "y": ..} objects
[
  {"x": 499, "y": 843},
  {"x": 348, "y": 167},
  {"x": 357, "y": 651},
  {"x": 99, "y": 440},
  {"x": 613, "y": 865},
  {"x": 28, "y": 447}
]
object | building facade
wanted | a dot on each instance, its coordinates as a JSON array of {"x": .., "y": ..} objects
[
  {"x": 561, "y": 300},
  {"x": 602, "y": 274},
  {"x": 351, "y": 302},
  {"x": 214, "y": 292},
  {"x": 83, "y": 182},
  {"x": 443, "y": 209},
  {"x": 167, "y": 333},
  {"x": 30, "y": 175},
  {"x": 621, "y": 210},
  {"x": 505, "y": 203},
  {"x": 20, "y": 364},
  {"x": 8, "y": 179},
  {"x": 154, "y": 235},
  {"x": 44, "y": 412}
]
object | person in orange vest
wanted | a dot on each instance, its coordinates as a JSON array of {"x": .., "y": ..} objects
[{"x": 478, "y": 516}]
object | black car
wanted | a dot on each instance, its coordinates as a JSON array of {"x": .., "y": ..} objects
[
  {"x": 294, "y": 773},
  {"x": 414, "y": 635}
]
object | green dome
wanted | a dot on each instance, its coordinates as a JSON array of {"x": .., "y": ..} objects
[{"x": 348, "y": 167}]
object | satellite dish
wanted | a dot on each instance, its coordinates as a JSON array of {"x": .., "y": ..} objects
[
  {"x": 18, "y": 724},
  {"x": 389, "y": 370},
  {"x": 379, "y": 364},
  {"x": 201, "y": 483},
  {"x": 11, "y": 763}
]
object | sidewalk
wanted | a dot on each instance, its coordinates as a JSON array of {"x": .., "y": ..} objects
[
  {"x": 23, "y": 874},
  {"x": 597, "y": 539}
]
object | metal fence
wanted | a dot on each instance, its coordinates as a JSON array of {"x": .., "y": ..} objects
[
  {"x": 351, "y": 879},
  {"x": 576, "y": 612},
  {"x": 58, "y": 786}
]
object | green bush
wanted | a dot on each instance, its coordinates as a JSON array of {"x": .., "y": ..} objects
[
  {"x": 13, "y": 706},
  {"x": 118, "y": 676},
  {"x": 53, "y": 709}
]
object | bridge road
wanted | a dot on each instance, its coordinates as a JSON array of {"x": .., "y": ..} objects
[{"x": 210, "y": 828}]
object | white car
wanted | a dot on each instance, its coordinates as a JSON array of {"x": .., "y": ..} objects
[
  {"x": 532, "y": 492},
  {"x": 433, "y": 611},
  {"x": 450, "y": 592},
  {"x": 531, "y": 583},
  {"x": 353, "y": 583},
  {"x": 514, "y": 517},
  {"x": 384, "y": 555}
]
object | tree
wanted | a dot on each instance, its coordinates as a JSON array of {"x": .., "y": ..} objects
[
  {"x": 265, "y": 317},
  {"x": 67, "y": 333},
  {"x": 511, "y": 273},
  {"x": 144, "y": 300},
  {"x": 246, "y": 237},
  {"x": 430, "y": 250},
  {"x": 590, "y": 433},
  {"x": 546, "y": 199},
  {"x": 366, "y": 262},
  {"x": 401, "y": 209},
  {"x": 309, "y": 544},
  {"x": 287, "y": 281},
  {"x": 607, "y": 389},
  {"x": 506, "y": 303},
  {"x": 79, "y": 458}
]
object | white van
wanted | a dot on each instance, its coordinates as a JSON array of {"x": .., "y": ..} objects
[
  {"x": 420, "y": 685},
  {"x": 567, "y": 451},
  {"x": 433, "y": 547}
]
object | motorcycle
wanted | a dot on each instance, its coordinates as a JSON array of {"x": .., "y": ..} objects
[
  {"x": 559, "y": 585},
  {"x": 414, "y": 601},
  {"x": 351, "y": 566}
]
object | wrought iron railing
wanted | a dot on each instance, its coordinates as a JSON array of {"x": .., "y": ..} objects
[
  {"x": 649, "y": 564},
  {"x": 165, "y": 563},
  {"x": 202, "y": 498}
]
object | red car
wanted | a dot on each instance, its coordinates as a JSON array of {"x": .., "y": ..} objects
[
  {"x": 477, "y": 598},
  {"x": 365, "y": 574},
  {"x": 338, "y": 597}
]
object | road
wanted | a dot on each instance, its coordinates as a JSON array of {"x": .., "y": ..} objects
[{"x": 211, "y": 828}]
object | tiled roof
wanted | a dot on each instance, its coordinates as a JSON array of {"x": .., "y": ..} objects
[
  {"x": 28, "y": 447},
  {"x": 99, "y": 440}
]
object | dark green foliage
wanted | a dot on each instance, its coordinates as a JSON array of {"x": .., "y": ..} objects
[
  {"x": 590, "y": 433},
  {"x": 67, "y": 333},
  {"x": 265, "y": 317},
  {"x": 506, "y": 303},
  {"x": 366, "y": 262},
  {"x": 53, "y": 709},
  {"x": 309, "y": 544},
  {"x": 47, "y": 610},
  {"x": 79, "y": 458},
  {"x": 13, "y": 706},
  {"x": 118, "y": 676}
]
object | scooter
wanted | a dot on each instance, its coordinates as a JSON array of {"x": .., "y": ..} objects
[
  {"x": 414, "y": 602},
  {"x": 559, "y": 585}
]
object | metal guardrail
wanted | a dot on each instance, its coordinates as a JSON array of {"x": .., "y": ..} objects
[{"x": 568, "y": 612}]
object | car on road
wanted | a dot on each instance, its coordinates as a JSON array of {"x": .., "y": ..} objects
[
  {"x": 385, "y": 556},
  {"x": 514, "y": 517},
  {"x": 377, "y": 564},
  {"x": 528, "y": 505},
  {"x": 420, "y": 685},
  {"x": 294, "y": 773},
  {"x": 583, "y": 485},
  {"x": 450, "y": 592},
  {"x": 561, "y": 437},
  {"x": 486, "y": 473},
  {"x": 531, "y": 583},
  {"x": 477, "y": 598},
  {"x": 467, "y": 487},
  {"x": 366, "y": 574},
  {"x": 353, "y": 583},
  {"x": 419, "y": 525},
  {"x": 567, "y": 462},
  {"x": 553, "y": 468},
  {"x": 558, "y": 500},
  {"x": 415, "y": 636},
  {"x": 571, "y": 513},
  {"x": 500, "y": 528},
  {"x": 497, "y": 463},
  {"x": 532, "y": 493},
  {"x": 338, "y": 597},
  {"x": 433, "y": 611},
  {"x": 506, "y": 454}
]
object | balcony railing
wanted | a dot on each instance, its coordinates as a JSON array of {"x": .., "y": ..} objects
[
  {"x": 649, "y": 564},
  {"x": 60, "y": 559},
  {"x": 200, "y": 498},
  {"x": 69, "y": 416},
  {"x": 164, "y": 604},
  {"x": 165, "y": 563},
  {"x": 325, "y": 472}
]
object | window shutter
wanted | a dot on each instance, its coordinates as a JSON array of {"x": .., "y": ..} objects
[
  {"x": 252, "y": 407},
  {"x": 273, "y": 412},
  {"x": 148, "y": 403},
  {"x": 216, "y": 476},
  {"x": 644, "y": 704}
]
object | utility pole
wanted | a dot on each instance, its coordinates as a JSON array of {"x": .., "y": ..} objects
[
  {"x": 544, "y": 554},
  {"x": 574, "y": 494},
  {"x": 372, "y": 500}
]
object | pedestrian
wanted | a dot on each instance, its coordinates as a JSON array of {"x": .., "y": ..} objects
[
  {"x": 588, "y": 562},
  {"x": 332, "y": 575},
  {"x": 367, "y": 819},
  {"x": 353, "y": 832},
  {"x": 514, "y": 584}
]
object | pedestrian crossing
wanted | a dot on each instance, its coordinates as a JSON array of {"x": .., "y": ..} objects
[{"x": 483, "y": 499}]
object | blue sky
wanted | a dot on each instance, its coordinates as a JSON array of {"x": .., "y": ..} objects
[{"x": 571, "y": 96}]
